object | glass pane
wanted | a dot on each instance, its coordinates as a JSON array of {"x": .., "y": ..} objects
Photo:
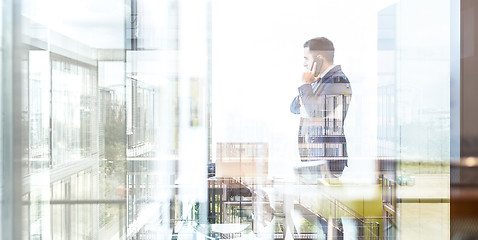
[
  {"x": 204, "y": 119},
  {"x": 77, "y": 130}
]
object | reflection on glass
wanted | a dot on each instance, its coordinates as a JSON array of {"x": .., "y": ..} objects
[
  {"x": 39, "y": 81},
  {"x": 134, "y": 132}
]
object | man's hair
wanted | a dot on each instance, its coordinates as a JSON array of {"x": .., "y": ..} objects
[{"x": 322, "y": 46}]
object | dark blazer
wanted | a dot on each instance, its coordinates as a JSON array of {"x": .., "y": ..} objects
[{"x": 323, "y": 106}]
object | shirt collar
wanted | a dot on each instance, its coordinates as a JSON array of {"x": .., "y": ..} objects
[{"x": 327, "y": 70}]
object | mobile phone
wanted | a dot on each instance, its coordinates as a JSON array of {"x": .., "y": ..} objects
[{"x": 318, "y": 65}]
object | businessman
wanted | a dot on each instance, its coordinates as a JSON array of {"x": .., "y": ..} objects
[{"x": 322, "y": 103}]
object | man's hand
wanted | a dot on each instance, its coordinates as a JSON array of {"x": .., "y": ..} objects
[{"x": 308, "y": 76}]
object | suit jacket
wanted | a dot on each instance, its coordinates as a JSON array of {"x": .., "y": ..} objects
[{"x": 323, "y": 106}]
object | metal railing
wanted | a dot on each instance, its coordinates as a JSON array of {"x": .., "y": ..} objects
[{"x": 334, "y": 211}]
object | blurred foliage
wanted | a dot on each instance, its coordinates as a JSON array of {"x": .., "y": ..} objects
[{"x": 114, "y": 165}]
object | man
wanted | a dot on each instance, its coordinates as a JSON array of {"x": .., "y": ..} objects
[{"x": 322, "y": 103}]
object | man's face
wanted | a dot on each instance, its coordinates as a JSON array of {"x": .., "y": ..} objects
[{"x": 308, "y": 58}]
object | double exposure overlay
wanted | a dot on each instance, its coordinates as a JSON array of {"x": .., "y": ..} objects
[{"x": 223, "y": 119}]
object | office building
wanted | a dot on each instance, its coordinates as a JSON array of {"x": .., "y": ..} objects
[{"x": 170, "y": 120}]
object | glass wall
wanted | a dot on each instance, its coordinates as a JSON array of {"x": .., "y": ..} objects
[
  {"x": 203, "y": 119},
  {"x": 73, "y": 186}
]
